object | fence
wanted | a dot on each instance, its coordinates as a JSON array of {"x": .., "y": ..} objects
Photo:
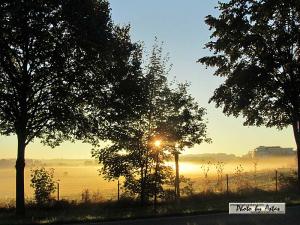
[
  {"x": 268, "y": 180},
  {"x": 264, "y": 180}
]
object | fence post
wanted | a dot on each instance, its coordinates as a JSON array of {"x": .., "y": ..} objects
[
  {"x": 57, "y": 182},
  {"x": 276, "y": 178},
  {"x": 227, "y": 187}
]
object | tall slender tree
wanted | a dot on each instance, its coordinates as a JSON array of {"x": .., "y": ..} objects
[
  {"x": 166, "y": 115},
  {"x": 61, "y": 61},
  {"x": 184, "y": 126},
  {"x": 132, "y": 153},
  {"x": 256, "y": 46}
]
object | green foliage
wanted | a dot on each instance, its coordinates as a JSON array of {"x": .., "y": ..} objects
[
  {"x": 256, "y": 48},
  {"x": 42, "y": 181},
  {"x": 132, "y": 153},
  {"x": 242, "y": 184},
  {"x": 288, "y": 182},
  {"x": 86, "y": 196},
  {"x": 91, "y": 197},
  {"x": 67, "y": 73},
  {"x": 169, "y": 195},
  {"x": 170, "y": 115},
  {"x": 186, "y": 186},
  {"x": 166, "y": 114},
  {"x": 67, "y": 212},
  {"x": 205, "y": 167},
  {"x": 219, "y": 166},
  {"x": 184, "y": 124},
  {"x": 59, "y": 62}
]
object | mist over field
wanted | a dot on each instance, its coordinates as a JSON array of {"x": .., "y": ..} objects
[
  {"x": 74, "y": 176},
  {"x": 77, "y": 175}
]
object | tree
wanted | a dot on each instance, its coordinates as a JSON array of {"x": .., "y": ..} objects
[
  {"x": 256, "y": 49},
  {"x": 43, "y": 184},
  {"x": 184, "y": 125},
  {"x": 132, "y": 153},
  {"x": 166, "y": 115},
  {"x": 59, "y": 62}
]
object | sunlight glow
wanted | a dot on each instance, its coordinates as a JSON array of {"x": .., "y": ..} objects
[{"x": 157, "y": 143}]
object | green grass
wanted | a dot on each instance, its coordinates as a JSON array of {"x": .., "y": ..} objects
[{"x": 67, "y": 212}]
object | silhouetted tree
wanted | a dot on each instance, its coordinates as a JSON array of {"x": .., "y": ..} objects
[
  {"x": 132, "y": 153},
  {"x": 171, "y": 115},
  {"x": 184, "y": 125},
  {"x": 256, "y": 48},
  {"x": 66, "y": 72},
  {"x": 42, "y": 181}
]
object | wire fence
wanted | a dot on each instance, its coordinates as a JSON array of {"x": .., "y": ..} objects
[{"x": 270, "y": 180}]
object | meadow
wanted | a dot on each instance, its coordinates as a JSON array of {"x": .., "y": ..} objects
[{"x": 75, "y": 176}]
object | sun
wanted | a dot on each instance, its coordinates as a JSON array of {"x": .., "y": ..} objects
[{"x": 157, "y": 143}]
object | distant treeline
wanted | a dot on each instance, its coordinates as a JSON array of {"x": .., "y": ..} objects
[
  {"x": 10, "y": 163},
  {"x": 209, "y": 157},
  {"x": 196, "y": 158},
  {"x": 223, "y": 157}
]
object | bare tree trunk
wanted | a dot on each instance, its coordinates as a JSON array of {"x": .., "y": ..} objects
[
  {"x": 144, "y": 177},
  {"x": 296, "y": 129},
  {"x": 156, "y": 181},
  {"x": 20, "y": 165},
  {"x": 118, "y": 189},
  {"x": 142, "y": 187},
  {"x": 177, "y": 182}
]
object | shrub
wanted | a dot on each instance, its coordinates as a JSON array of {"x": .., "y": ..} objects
[
  {"x": 288, "y": 182},
  {"x": 43, "y": 184},
  {"x": 86, "y": 196},
  {"x": 187, "y": 186},
  {"x": 97, "y": 197},
  {"x": 169, "y": 195}
]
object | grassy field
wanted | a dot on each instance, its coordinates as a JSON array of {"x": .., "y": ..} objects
[
  {"x": 73, "y": 180},
  {"x": 245, "y": 185},
  {"x": 67, "y": 212},
  {"x": 75, "y": 177}
]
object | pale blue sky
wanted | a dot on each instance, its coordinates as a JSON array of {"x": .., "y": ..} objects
[{"x": 180, "y": 25}]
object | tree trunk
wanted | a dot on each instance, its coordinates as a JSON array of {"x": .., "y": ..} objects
[
  {"x": 20, "y": 165},
  {"x": 177, "y": 182},
  {"x": 142, "y": 187},
  {"x": 156, "y": 183},
  {"x": 296, "y": 129}
]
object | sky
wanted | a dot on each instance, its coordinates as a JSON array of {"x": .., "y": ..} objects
[{"x": 180, "y": 25}]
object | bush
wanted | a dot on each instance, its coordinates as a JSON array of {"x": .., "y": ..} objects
[
  {"x": 288, "y": 182},
  {"x": 97, "y": 197},
  {"x": 43, "y": 184},
  {"x": 169, "y": 195},
  {"x": 86, "y": 196},
  {"x": 63, "y": 204},
  {"x": 187, "y": 186}
]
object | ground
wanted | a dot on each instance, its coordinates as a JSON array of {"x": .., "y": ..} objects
[{"x": 292, "y": 217}]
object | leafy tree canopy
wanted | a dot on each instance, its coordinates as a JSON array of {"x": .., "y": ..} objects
[
  {"x": 167, "y": 114},
  {"x": 256, "y": 48},
  {"x": 59, "y": 61},
  {"x": 42, "y": 181},
  {"x": 67, "y": 72}
]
